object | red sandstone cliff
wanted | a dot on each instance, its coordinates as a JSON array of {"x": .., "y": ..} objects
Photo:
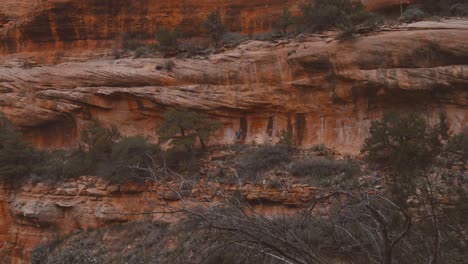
[
  {"x": 329, "y": 90},
  {"x": 30, "y": 25},
  {"x": 39, "y": 213}
]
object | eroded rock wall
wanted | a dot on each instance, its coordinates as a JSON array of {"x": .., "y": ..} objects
[
  {"x": 39, "y": 213},
  {"x": 97, "y": 23},
  {"x": 32, "y": 25},
  {"x": 327, "y": 90}
]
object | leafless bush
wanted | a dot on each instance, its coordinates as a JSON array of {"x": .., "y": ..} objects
[
  {"x": 327, "y": 172},
  {"x": 252, "y": 164}
]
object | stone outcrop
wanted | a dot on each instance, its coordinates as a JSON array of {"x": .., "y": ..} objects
[
  {"x": 31, "y": 25},
  {"x": 39, "y": 213},
  {"x": 68, "y": 24},
  {"x": 327, "y": 90}
]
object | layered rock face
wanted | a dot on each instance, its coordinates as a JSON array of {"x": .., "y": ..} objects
[
  {"x": 90, "y": 23},
  {"x": 33, "y": 25},
  {"x": 326, "y": 90},
  {"x": 37, "y": 214}
]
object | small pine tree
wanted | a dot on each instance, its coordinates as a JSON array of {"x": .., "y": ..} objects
[
  {"x": 407, "y": 145},
  {"x": 183, "y": 128},
  {"x": 404, "y": 142},
  {"x": 214, "y": 26}
]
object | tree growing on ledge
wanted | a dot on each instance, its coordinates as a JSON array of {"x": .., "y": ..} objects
[
  {"x": 182, "y": 128},
  {"x": 215, "y": 27}
]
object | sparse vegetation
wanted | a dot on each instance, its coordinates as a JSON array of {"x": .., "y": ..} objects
[
  {"x": 215, "y": 27},
  {"x": 140, "y": 52},
  {"x": 252, "y": 164},
  {"x": 168, "y": 39},
  {"x": 443, "y": 7},
  {"x": 327, "y": 172},
  {"x": 134, "y": 243},
  {"x": 343, "y": 14},
  {"x": 132, "y": 41},
  {"x": 284, "y": 21},
  {"x": 413, "y": 14},
  {"x": 16, "y": 156},
  {"x": 103, "y": 151},
  {"x": 350, "y": 17},
  {"x": 347, "y": 222}
]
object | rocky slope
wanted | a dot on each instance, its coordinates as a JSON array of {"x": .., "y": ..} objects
[
  {"x": 39, "y": 213},
  {"x": 327, "y": 90}
]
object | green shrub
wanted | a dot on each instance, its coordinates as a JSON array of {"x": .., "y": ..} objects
[
  {"x": 327, "y": 172},
  {"x": 407, "y": 145},
  {"x": 404, "y": 142},
  {"x": 412, "y": 14},
  {"x": 284, "y": 21},
  {"x": 325, "y": 14},
  {"x": 98, "y": 138},
  {"x": 132, "y": 41},
  {"x": 168, "y": 39},
  {"x": 233, "y": 39},
  {"x": 103, "y": 152},
  {"x": 322, "y": 150},
  {"x": 459, "y": 9},
  {"x": 215, "y": 27},
  {"x": 129, "y": 159},
  {"x": 251, "y": 165},
  {"x": 181, "y": 160},
  {"x": 16, "y": 156},
  {"x": 108, "y": 154},
  {"x": 441, "y": 7},
  {"x": 54, "y": 166},
  {"x": 141, "y": 51}
]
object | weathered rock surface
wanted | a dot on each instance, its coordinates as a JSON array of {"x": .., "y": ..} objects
[
  {"x": 89, "y": 23},
  {"x": 327, "y": 90},
  {"x": 39, "y": 213},
  {"x": 64, "y": 24}
]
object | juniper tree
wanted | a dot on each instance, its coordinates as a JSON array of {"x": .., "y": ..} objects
[{"x": 182, "y": 128}]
